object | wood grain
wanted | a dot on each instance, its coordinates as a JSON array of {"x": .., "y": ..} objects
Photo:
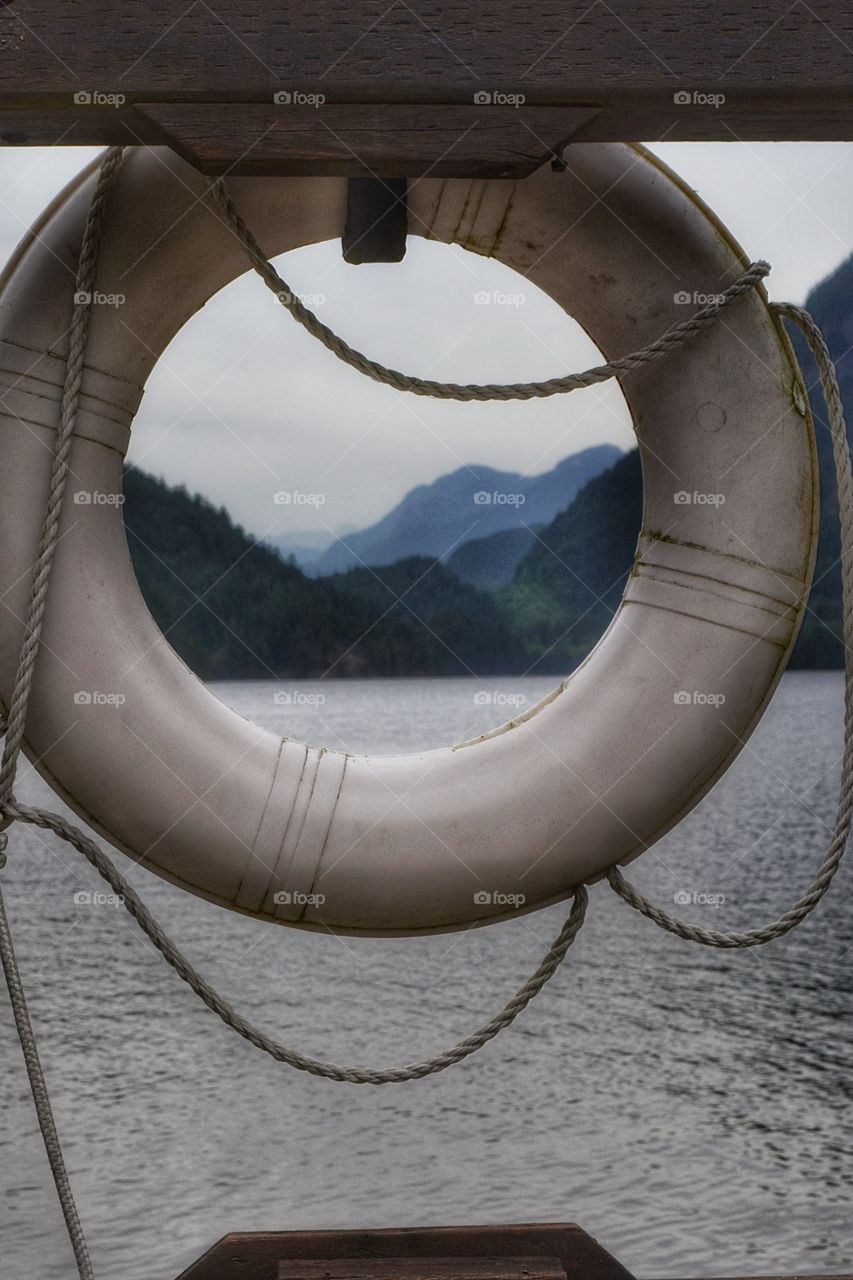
[
  {"x": 399, "y": 81},
  {"x": 461, "y": 1268},
  {"x": 414, "y": 1252}
]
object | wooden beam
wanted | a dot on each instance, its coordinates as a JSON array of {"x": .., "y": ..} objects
[
  {"x": 419, "y": 1268},
  {"x": 549, "y": 1252},
  {"x": 445, "y": 86}
]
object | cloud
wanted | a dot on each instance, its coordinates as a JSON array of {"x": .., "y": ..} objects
[{"x": 244, "y": 404}]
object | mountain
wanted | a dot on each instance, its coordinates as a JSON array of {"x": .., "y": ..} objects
[
  {"x": 831, "y": 304},
  {"x": 473, "y": 502},
  {"x": 566, "y": 588},
  {"x": 560, "y": 618},
  {"x": 453, "y": 628},
  {"x": 305, "y": 546},
  {"x": 490, "y": 562},
  {"x": 233, "y": 609}
]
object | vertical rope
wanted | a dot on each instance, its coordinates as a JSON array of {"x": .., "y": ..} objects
[
  {"x": 837, "y": 845},
  {"x": 41, "y": 1098},
  {"x": 86, "y": 268},
  {"x": 16, "y": 718},
  {"x": 14, "y": 725}
]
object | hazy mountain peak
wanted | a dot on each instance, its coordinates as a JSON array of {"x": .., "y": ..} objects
[{"x": 469, "y": 503}]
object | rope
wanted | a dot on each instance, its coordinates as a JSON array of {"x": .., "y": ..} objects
[
  {"x": 41, "y": 1098},
  {"x": 16, "y": 718},
  {"x": 832, "y": 859},
  {"x": 79, "y": 333},
  {"x": 470, "y": 391},
  {"x": 11, "y": 810},
  {"x": 281, "y": 1053}
]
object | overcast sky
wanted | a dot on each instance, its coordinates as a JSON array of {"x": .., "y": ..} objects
[{"x": 244, "y": 404}]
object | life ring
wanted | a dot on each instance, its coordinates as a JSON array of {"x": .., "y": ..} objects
[{"x": 593, "y": 774}]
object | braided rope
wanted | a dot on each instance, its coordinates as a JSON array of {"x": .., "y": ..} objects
[
  {"x": 281, "y": 1053},
  {"x": 224, "y": 202},
  {"x": 15, "y": 721},
  {"x": 832, "y": 859},
  {"x": 79, "y": 333},
  {"x": 41, "y": 1098},
  {"x": 13, "y": 726}
]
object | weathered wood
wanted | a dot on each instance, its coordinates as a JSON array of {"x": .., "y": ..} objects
[
  {"x": 377, "y": 222},
  {"x": 394, "y": 140},
  {"x": 399, "y": 83},
  {"x": 519, "y": 1268},
  {"x": 416, "y": 1253}
]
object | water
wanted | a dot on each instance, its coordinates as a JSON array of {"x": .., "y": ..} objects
[{"x": 689, "y": 1108}]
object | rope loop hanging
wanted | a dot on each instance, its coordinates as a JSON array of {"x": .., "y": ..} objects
[
  {"x": 224, "y": 203},
  {"x": 13, "y": 728}
]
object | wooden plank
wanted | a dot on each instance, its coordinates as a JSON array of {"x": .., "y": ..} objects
[
  {"x": 402, "y": 81},
  {"x": 499, "y": 141},
  {"x": 442, "y": 49},
  {"x": 461, "y": 1268},
  {"x": 258, "y": 1256}
]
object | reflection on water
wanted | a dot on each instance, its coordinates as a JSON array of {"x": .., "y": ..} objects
[{"x": 690, "y": 1108}]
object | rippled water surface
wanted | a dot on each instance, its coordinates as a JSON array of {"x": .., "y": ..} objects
[{"x": 690, "y": 1108}]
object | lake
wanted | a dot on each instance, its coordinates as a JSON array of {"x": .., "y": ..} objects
[{"x": 691, "y": 1108}]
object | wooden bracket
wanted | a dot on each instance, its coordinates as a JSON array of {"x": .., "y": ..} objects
[
  {"x": 377, "y": 220},
  {"x": 550, "y": 1252}
]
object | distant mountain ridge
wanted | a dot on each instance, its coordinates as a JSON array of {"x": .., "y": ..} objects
[
  {"x": 470, "y": 503},
  {"x": 490, "y": 562},
  {"x": 233, "y": 609},
  {"x": 560, "y": 617},
  {"x": 831, "y": 304},
  {"x": 566, "y": 589}
]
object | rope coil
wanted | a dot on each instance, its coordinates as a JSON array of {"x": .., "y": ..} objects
[
  {"x": 694, "y": 324},
  {"x": 14, "y": 726}
]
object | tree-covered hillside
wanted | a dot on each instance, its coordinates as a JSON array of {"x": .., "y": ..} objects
[
  {"x": 451, "y": 628},
  {"x": 831, "y": 304},
  {"x": 233, "y": 609},
  {"x": 472, "y": 502},
  {"x": 565, "y": 590},
  {"x": 567, "y": 587}
]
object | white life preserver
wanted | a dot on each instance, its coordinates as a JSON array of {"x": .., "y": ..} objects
[{"x": 592, "y": 775}]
